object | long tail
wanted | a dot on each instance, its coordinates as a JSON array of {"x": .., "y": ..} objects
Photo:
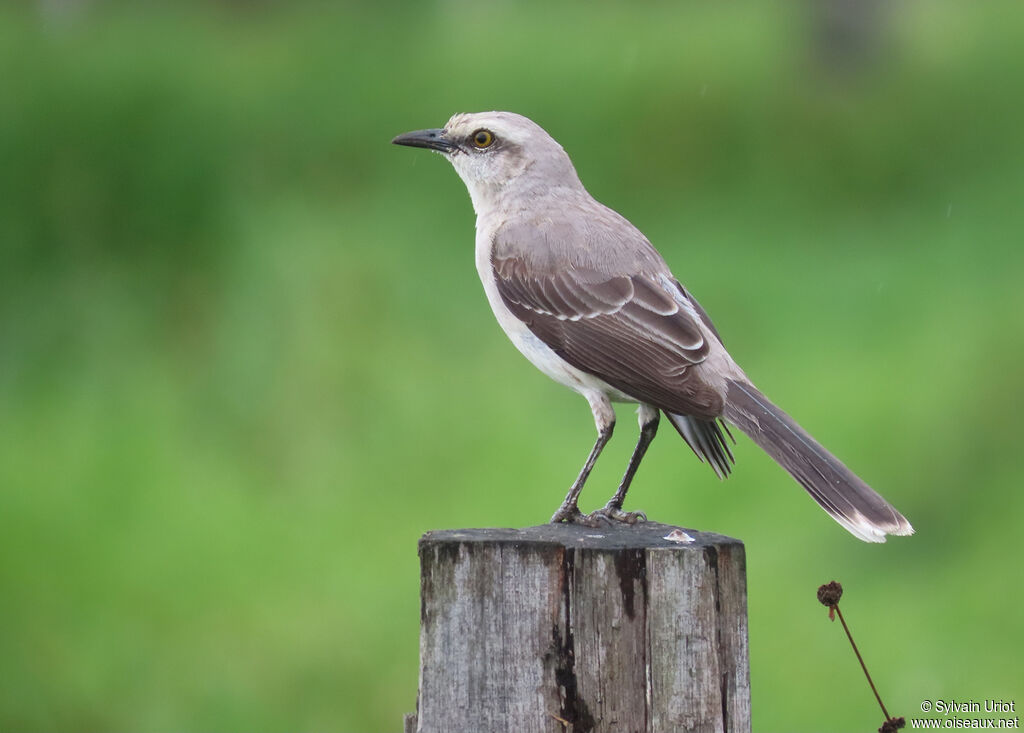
[{"x": 838, "y": 490}]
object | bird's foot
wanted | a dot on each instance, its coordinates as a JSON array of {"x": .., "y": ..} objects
[
  {"x": 612, "y": 513},
  {"x": 569, "y": 515},
  {"x": 601, "y": 518}
]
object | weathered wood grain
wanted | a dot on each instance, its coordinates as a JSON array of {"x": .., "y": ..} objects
[{"x": 565, "y": 628}]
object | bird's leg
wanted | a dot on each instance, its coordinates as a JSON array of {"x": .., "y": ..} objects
[
  {"x": 648, "y": 418},
  {"x": 604, "y": 419}
]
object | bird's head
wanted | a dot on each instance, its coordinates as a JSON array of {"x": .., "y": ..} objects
[{"x": 501, "y": 156}]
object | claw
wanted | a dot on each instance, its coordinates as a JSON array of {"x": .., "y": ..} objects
[
  {"x": 569, "y": 515},
  {"x": 614, "y": 514}
]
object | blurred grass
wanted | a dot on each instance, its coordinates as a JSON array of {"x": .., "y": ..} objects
[{"x": 245, "y": 361}]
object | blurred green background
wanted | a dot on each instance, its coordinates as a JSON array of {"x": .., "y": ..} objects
[{"x": 245, "y": 360}]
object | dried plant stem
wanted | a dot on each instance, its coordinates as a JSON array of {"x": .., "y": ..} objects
[{"x": 861, "y": 660}]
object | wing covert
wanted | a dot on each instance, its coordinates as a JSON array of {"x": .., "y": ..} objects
[{"x": 639, "y": 333}]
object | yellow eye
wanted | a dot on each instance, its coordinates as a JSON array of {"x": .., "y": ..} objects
[{"x": 483, "y": 139}]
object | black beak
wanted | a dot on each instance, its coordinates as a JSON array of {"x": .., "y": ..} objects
[{"x": 430, "y": 139}]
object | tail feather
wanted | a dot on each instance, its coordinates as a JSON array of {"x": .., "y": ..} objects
[
  {"x": 707, "y": 441},
  {"x": 839, "y": 491}
]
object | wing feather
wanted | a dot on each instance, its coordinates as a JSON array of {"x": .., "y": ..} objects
[{"x": 639, "y": 333}]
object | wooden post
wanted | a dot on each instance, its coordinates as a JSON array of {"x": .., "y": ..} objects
[{"x": 567, "y": 629}]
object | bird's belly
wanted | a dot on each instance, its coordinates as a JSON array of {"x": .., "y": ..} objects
[{"x": 544, "y": 358}]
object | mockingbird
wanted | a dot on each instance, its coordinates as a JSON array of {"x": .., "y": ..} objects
[{"x": 586, "y": 298}]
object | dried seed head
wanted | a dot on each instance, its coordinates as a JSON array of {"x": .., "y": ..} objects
[{"x": 830, "y": 593}]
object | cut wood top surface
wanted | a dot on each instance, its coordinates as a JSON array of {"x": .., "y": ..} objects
[{"x": 646, "y": 535}]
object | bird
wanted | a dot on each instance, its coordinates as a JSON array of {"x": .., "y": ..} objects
[{"x": 586, "y": 298}]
